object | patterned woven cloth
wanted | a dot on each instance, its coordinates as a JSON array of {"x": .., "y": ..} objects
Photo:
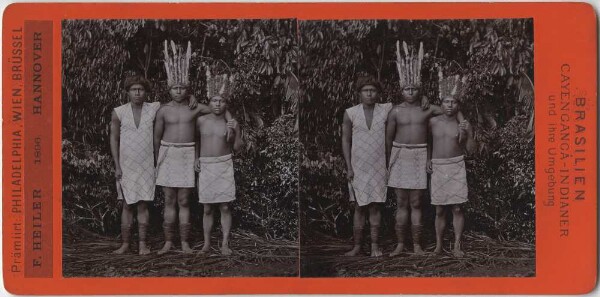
[
  {"x": 215, "y": 181},
  {"x": 175, "y": 168},
  {"x": 136, "y": 153},
  {"x": 368, "y": 155},
  {"x": 449, "y": 181},
  {"x": 408, "y": 164}
]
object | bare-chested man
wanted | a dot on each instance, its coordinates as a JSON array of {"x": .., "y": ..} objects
[
  {"x": 406, "y": 150},
  {"x": 131, "y": 138},
  {"x": 216, "y": 184},
  {"x": 174, "y": 149},
  {"x": 174, "y": 141},
  {"x": 447, "y": 167}
]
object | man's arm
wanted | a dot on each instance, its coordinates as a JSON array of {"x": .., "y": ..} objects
[
  {"x": 436, "y": 110},
  {"x": 159, "y": 126},
  {"x": 198, "y": 140},
  {"x": 115, "y": 139},
  {"x": 347, "y": 144},
  {"x": 238, "y": 142},
  {"x": 429, "y": 143},
  {"x": 470, "y": 145},
  {"x": 425, "y": 103},
  {"x": 390, "y": 134}
]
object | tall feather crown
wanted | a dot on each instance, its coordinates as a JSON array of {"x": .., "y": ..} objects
[
  {"x": 409, "y": 66},
  {"x": 218, "y": 85},
  {"x": 178, "y": 64},
  {"x": 453, "y": 86}
]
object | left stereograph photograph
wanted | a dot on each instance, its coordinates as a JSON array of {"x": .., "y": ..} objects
[{"x": 180, "y": 148}]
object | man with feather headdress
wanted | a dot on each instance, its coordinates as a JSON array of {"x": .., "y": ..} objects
[
  {"x": 446, "y": 161},
  {"x": 406, "y": 148},
  {"x": 174, "y": 146},
  {"x": 214, "y": 146}
]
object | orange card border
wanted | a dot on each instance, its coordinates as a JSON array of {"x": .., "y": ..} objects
[{"x": 563, "y": 265}]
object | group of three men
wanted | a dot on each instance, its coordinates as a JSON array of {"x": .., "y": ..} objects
[
  {"x": 396, "y": 146},
  {"x": 164, "y": 145}
]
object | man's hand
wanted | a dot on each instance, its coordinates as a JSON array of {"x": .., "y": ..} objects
[
  {"x": 193, "y": 102},
  {"x": 197, "y": 165},
  {"x": 350, "y": 174},
  {"x": 118, "y": 173},
  {"x": 231, "y": 126},
  {"x": 424, "y": 103},
  {"x": 428, "y": 168}
]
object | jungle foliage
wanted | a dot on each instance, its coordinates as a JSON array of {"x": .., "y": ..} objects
[
  {"x": 262, "y": 54},
  {"x": 497, "y": 56}
]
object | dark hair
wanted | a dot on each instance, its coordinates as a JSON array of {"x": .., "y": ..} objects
[
  {"x": 367, "y": 80},
  {"x": 137, "y": 79}
]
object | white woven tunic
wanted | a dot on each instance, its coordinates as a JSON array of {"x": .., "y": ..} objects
[
  {"x": 136, "y": 153},
  {"x": 368, "y": 154}
]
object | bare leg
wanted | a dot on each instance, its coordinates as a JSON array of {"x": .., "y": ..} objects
[
  {"x": 359, "y": 223},
  {"x": 458, "y": 222},
  {"x": 440, "y": 227},
  {"x": 143, "y": 218},
  {"x": 226, "y": 225},
  {"x": 169, "y": 218},
  {"x": 207, "y": 223},
  {"x": 416, "y": 219},
  {"x": 402, "y": 199},
  {"x": 126, "y": 221},
  {"x": 183, "y": 196},
  {"x": 374, "y": 221}
]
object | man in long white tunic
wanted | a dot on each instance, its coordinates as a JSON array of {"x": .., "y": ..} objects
[
  {"x": 131, "y": 143},
  {"x": 363, "y": 143}
]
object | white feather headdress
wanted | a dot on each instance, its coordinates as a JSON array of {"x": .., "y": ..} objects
[
  {"x": 454, "y": 86},
  {"x": 409, "y": 66},
  {"x": 218, "y": 85},
  {"x": 178, "y": 64}
]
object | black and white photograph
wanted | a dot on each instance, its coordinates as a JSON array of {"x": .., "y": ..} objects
[
  {"x": 417, "y": 148},
  {"x": 180, "y": 148}
]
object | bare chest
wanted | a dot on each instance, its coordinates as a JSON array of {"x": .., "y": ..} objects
[
  {"x": 137, "y": 116},
  {"x": 411, "y": 116},
  {"x": 213, "y": 128},
  {"x": 179, "y": 115},
  {"x": 444, "y": 129}
]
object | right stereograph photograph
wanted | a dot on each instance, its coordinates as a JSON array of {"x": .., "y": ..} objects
[{"x": 417, "y": 155}]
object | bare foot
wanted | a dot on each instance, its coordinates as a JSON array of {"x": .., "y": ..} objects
[
  {"x": 375, "y": 250},
  {"x": 399, "y": 249},
  {"x": 438, "y": 249},
  {"x": 144, "y": 250},
  {"x": 124, "y": 247},
  {"x": 185, "y": 247},
  {"x": 168, "y": 245},
  {"x": 418, "y": 249},
  {"x": 457, "y": 252},
  {"x": 226, "y": 251},
  {"x": 205, "y": 248},
  {"x": 355, "y": 250}
]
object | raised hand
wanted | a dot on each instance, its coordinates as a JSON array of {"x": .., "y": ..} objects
[{"x": 193, "y": 102}]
